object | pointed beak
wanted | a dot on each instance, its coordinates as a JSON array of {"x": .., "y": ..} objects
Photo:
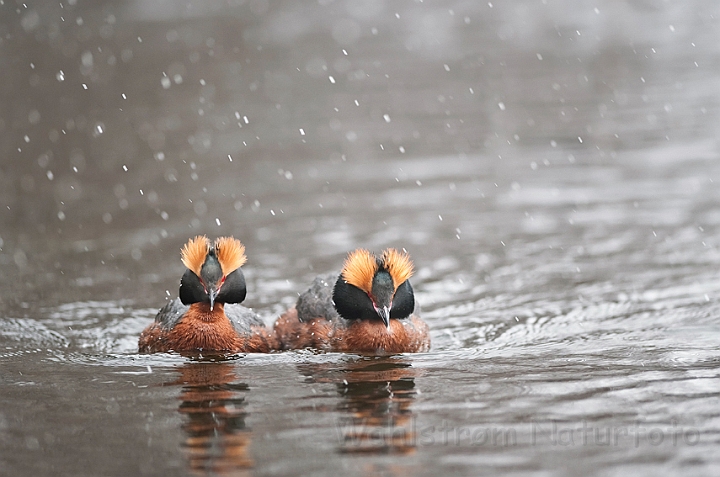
[
  {"x": 384, "y": 313},
  {"x": 212, "y": 294}
]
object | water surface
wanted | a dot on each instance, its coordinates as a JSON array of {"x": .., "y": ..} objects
[{"x": 551, "y": 167}]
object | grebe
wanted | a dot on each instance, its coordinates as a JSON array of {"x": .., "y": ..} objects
[
  {"x": 208, "y": 316},
  {"x": 369, "y": 307}
]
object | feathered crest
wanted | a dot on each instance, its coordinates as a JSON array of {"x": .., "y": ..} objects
[
  {"x": 230, "y": 253},
  {"x": 359, "y": 268},
  {"x": 398, "y": 265},
  {"x": 194, "y": 252}
]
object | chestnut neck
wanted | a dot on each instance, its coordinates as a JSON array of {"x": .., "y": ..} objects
[{"x": 201, "y": 311}]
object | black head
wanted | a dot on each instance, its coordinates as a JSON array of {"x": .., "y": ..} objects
[
  {"x": 371, "y": 288},
  {"x": 207, "y": 281}
]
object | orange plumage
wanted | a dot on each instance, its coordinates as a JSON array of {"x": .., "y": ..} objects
[
  {"x": 411, "y": 335},
  {"x": 194, "y": 252},
  {"x": 230, "y": 254},
  {"x": 359, "y": 268},
  {"x": 398, "y": 264},
  {"x": 203, "y": 330}
]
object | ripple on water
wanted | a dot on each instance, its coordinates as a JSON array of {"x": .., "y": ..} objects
[
  {"x": 100, "y": 326},
  {"x": 17, "y": 331},
  {"x": 89, "y": 327},
  {"x": 599, "y": 321}
]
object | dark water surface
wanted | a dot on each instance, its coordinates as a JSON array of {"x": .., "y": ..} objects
[{"x": 551, "y": 166}]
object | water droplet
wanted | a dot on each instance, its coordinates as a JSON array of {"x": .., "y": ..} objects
[
  {"x": 165, "y": 82},
  {"x": 217, "y": 221},
  {"x": 501, "y": 105},
  {"x": 386, "y": 117},
  {"x": 60, "y": 76},
  {"x": 332, "y": 80},
  {"x": 34, "y": 116},
  {"x": 98, "y": 129},
  {"x": 302, "y": 132},
  {"x": 86, "y": 59}
]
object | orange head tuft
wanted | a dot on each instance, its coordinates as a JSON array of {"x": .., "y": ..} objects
[
  {"x": 194, "y": 253},
  {"x": 398, "y": 265},
  {"x": 359, "y": 268},
  {"x": 230, "y": 253}
]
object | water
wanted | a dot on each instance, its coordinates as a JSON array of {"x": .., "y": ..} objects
[{"x": 551, "y": 166}]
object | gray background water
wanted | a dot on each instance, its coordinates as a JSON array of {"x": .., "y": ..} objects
[{"x": 552, "y": 167}]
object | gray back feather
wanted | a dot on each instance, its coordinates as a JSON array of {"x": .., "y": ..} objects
[{"x": 317, "y": 301}]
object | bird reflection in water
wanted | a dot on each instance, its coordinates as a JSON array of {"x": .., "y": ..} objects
[
  {"x": 377, "y": 394},
  {"x": 213, "y": 402}
]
